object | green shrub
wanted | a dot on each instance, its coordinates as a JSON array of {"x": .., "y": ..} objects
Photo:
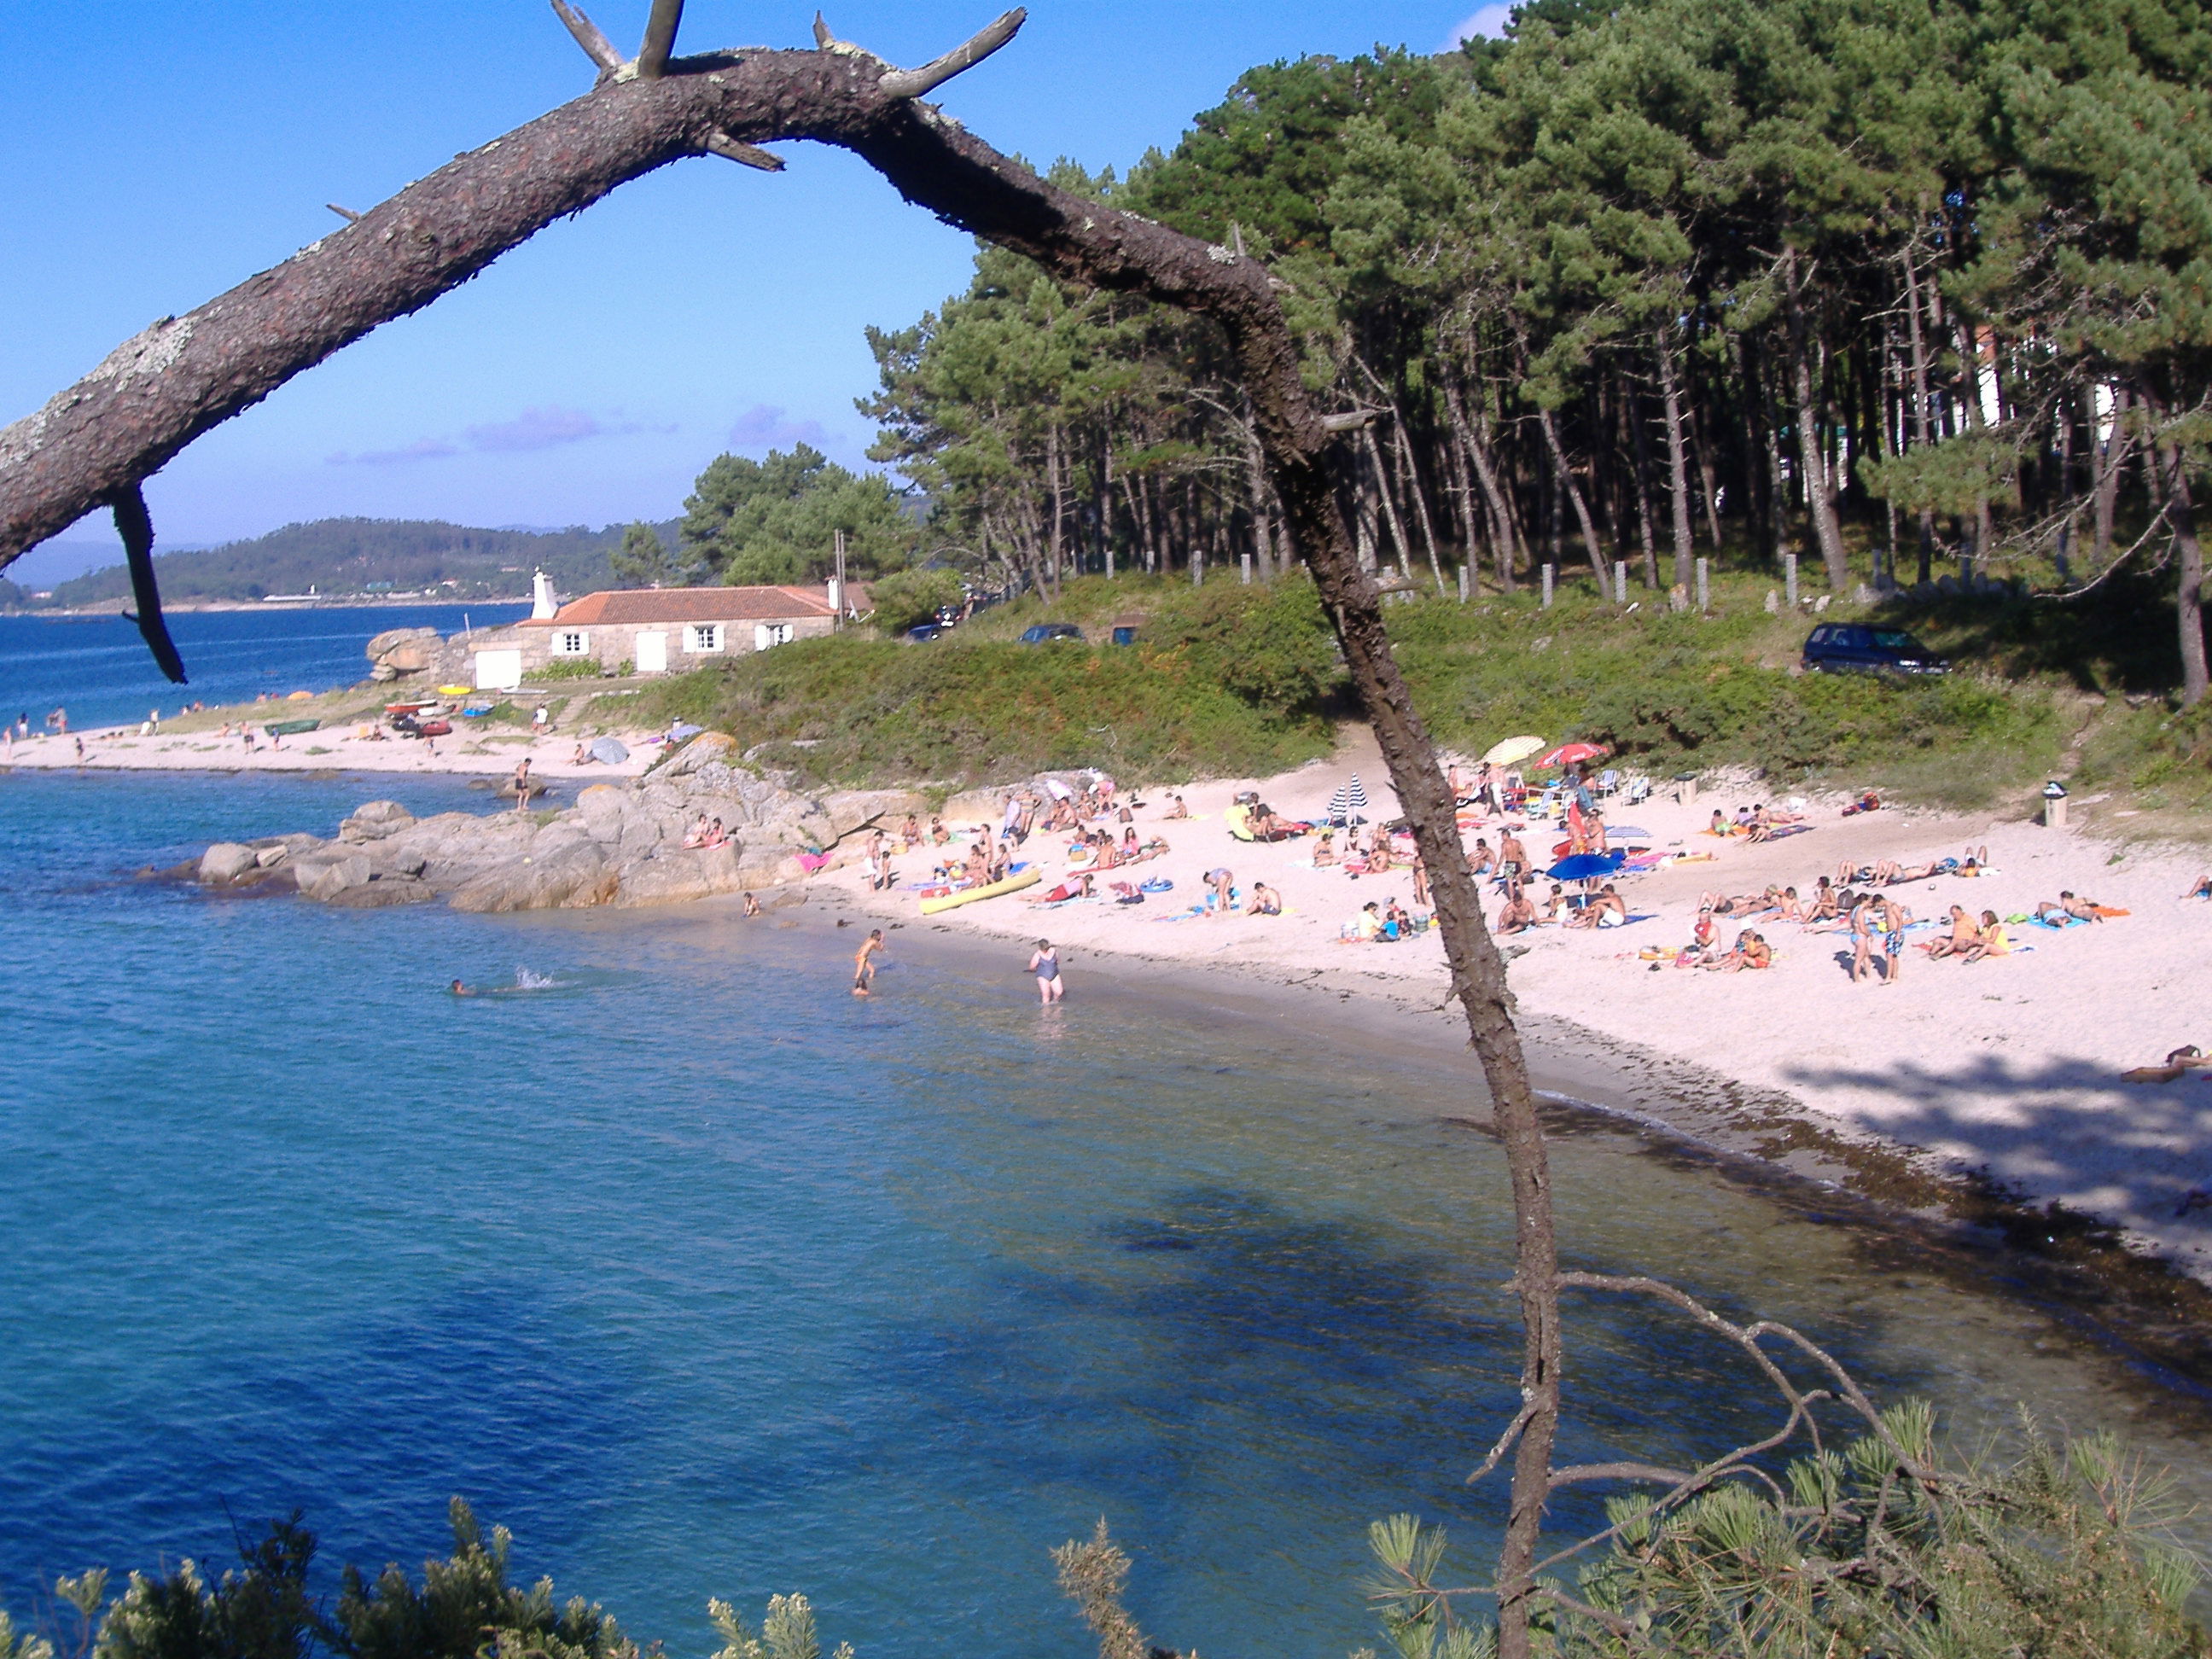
[
  {"x": 906, "y": 597},
  {"x": 568, "y": 668}
]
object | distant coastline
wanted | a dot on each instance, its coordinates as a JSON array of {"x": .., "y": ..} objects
[{"x": 118, "y": 609}]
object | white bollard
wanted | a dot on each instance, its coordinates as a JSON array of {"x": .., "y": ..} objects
[
  {"x": 1704, "y": 587},
  {"x": 1620, "y": 583},
  {"x": 1463, "y": 584},
  {"x": 1247, "y": 559},
  {"x": 1548, "y": 587},
  {"x": 1790, "y": 579}
]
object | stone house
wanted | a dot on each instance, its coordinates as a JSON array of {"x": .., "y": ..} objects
[{"x": 658, "y": 630}]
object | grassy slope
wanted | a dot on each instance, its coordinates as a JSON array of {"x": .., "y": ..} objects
[{"x": 1234, "y": 681}]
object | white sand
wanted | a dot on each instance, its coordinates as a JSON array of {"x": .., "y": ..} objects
[
  {"x": 2010, "y": 1065},
  {"x": 121, "y": 748}
]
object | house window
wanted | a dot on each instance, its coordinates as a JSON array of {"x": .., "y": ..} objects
[
  {"x": 767, "y": 633},
  {"x": 572, "y": 642},
  {"x": 704, "y": 636}
]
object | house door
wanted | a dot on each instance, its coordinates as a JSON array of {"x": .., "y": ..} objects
[
  {"x": 498, "y": 671},
  {"x": 652, "y": 653}
]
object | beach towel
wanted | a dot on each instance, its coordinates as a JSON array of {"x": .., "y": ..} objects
[
  {"x": 1792, "y": 829},
  {"x": 811, "y": 862}
]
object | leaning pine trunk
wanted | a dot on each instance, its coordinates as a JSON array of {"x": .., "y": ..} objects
[
  {"x": 1678, "y": 468},
  {"x": 2189, "y": 556}
]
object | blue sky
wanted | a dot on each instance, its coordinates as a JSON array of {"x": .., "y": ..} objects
[{"x": 161, "y": 153}]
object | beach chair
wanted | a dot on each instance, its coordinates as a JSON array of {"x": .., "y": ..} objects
[
  {"x": 1639, "y": 789},
  {"x": 1608, "y": 781}
]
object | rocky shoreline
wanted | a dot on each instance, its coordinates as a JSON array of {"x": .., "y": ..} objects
[{"x": 621, "y": 844}]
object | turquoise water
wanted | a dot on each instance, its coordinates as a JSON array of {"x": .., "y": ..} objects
[
  {"x": 706, "y": 1279},
  {"x": 98, "y": 669}
]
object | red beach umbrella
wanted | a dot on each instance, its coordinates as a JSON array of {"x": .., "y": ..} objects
[{"x": 1571, "y": 754}]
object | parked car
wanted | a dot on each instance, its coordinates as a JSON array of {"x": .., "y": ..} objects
[
  {"x": 922, "y": 633},
  {"x": 1048, "y": 633},
  {"x": 1858, "y": 648}
]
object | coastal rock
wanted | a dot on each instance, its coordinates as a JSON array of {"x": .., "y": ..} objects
[
  {"x": 706, "y": 747},
  {"x": 270, "y": 857},
  {"x": 375, "y": 821},
  {"x": 382, "y": 893},
  {"x": 678, "y": 875},
  {"x": 226, "y": 861},
  {"x": 568, "y": 877},
  {"x": 604, "y": 809},
  {"x": 398, "y": 651},
  {"x": 324, "y": 875}
]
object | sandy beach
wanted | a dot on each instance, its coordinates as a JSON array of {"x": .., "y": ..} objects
[
  {"x": 186, "y": 747},
  {"x": 2007, "y": 1068}
]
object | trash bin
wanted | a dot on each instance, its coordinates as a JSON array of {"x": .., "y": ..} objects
[
  {"x": 2054, "y": 805},
  {"x": 1686, "y": 788}
]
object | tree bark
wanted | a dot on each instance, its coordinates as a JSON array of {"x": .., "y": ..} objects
[
  {"x": 2188, "y": 558},
  {"x": 1820, "y": 483},
  {"x": 102, "y": 437},
  {"x": 1678, "y": 470},
  {"x": 1573, "y": 492}
]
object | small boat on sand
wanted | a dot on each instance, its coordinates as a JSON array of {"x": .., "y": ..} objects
[
  {"x": 291, "y": 728},
  {"x": 1012, "y": 884}
]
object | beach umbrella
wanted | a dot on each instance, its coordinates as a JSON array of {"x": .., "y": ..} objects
[
  {"x": 1573, "y": 754},
  {"x": 1347, "y": 801},
  {"x": 1625, "y": 832},
  {"x": 611, "y": 752},
  {"x": 1585, "y": 867},
  {"x": 1512, "y": 749}
]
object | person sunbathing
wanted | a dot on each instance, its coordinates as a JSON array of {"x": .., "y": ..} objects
[
  {"x": 1992, "y": 940},
  {"x": 715, "y": 836},
  {"x": 1556, "y": 902},
  {"x": 1788, "y": 908},
  {"x": 1366, "y": 928},
  {"x": 1824, "y": 904},
  {"x": 1606, "y": 910},
  {"x": 1130, "y": 851},
  {"x": 1378, "y": 855},
  {"x": 1835, "y": 911},
  {"x": 938, "y": 833},
  {"x": 1396, "y": 924},
  {"x": 2202, "y": 890},
  {"x": 1156, "y": 847},
  {"x": 1482, "y": 861},
  {"x": 1732, "y": 960},
  {"x": 1177, "y": 810},
  {"x": 910, "y": 832},
  {"x": 1519, "y": 914},
  {"x": 1963, "y": 936},
  {"x": 1325, "y": 850},
  {"x": 1075, "y": 887},
  {"x": 696, "y": 834},
  {"x": 2066, "y": 905},
  {"x": 1265, "y": 901},
  {"x": 1719, "y": 825},
  {"x": 1761, "y": 828}
]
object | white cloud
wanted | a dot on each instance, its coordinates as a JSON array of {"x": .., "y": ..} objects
[
  {"x": 763, "y": 427},
  {"x": 533, "y": 429},
  {"x": 1489, "y": 23}
]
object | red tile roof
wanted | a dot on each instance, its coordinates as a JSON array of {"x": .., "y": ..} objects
[{"x": 648, "y": 605}]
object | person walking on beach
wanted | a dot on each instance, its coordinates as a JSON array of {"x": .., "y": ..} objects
[
  {"x": 864, "y": 962},
  {"x": 1894, "y": 918},
  {"x": 1044, "y": 962},
  {"x": 522, "y": 785}
]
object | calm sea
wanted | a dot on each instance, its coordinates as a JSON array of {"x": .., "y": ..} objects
[
  {"x": 706, "y": 1279},
  {"x": 97, "y": 666}
]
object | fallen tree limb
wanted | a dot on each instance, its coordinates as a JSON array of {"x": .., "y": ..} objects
[{"x": 96, "y": 443}]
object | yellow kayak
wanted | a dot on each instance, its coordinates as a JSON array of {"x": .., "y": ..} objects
[{"x": 1028, "y": 878}]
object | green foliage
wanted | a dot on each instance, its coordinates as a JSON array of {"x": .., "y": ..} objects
[
  {"x": 343, "y": 556},
  {"x": 1222, "y": 683},
  {"x": 906, "y": 597},
  {"x": 260, "y": 1609},
  {"x": 787, "y": 1632},
  {"x": 465, "y": 1606},
  {"x": 1880, "y": 1547},
  {"x": 775, "y": 521},
  {"x": 643, "y": 561},
  {"x": 568, "y": 668}
]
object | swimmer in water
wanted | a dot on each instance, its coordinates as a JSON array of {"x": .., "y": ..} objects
[
  {"x": 460, "y": 990},
  {"x": 864, "y": 962}
]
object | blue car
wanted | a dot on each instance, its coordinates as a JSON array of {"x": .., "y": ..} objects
[
  {"x": 922, "y": 633},
  {"x": 1051, "y": 633},
  {"x": 1860, "y": 649}
]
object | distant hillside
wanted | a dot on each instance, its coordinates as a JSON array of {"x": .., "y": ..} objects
[{"x": 344, "y": 557}]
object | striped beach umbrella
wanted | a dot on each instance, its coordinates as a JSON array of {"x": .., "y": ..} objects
[{"x": 1346, "y": 801}]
